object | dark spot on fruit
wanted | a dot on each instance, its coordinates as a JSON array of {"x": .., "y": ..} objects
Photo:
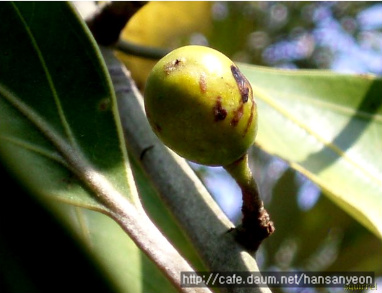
[
  {"x": 245, "y": 90},
  {"x": 243, "y": 84},
  {"x": 244, "y": 94},
  {"x": 173, "y": 65},
  {"x": 157, "y": 127},
  {"x": 250, "y": 119},
  {"x": 203, "y": 83},
  {"x": 237, "y": 114},
  {"x": 219, "y": 112}
]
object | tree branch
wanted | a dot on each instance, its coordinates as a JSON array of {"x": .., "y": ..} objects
[{"x": 186, "y": 197}]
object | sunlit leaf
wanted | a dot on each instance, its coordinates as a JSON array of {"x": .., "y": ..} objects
[{"x": 328, "y": 126}]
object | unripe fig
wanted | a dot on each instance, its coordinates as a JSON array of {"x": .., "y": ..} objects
[{"x": 201, "y": 106}]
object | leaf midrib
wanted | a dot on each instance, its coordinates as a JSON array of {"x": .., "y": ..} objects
[
  {"x": 90, "y": 176},
  {"x": 36, "y": 149},
  {"x": 48, "y": 76}
]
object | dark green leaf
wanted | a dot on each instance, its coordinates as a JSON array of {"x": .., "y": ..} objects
[
  {"x": 60, "y": 131},
  {"x": 57, "y": 107}
]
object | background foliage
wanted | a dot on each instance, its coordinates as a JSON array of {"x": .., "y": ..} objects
[{"x": 312, "y": 232}]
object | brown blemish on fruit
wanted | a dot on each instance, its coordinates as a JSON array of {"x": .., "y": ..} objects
[
  {"x": 203, "y": 83},
  {"x": 157, "y": 127},
  {"x": 250, "y": 119},
  {"x": 246, "y": 93},
  {"x": 243, "y": 84},
  {"x": 173, "y": 65},
  {"x": 237, "y": 114},
  {"x": 219, "y": 112}
]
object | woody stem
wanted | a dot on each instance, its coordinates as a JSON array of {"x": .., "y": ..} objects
[{"x": 256, "y": 224}]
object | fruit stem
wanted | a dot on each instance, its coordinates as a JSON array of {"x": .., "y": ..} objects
[{"x": 256, "y": 224}]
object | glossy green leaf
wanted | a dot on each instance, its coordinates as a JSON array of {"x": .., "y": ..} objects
[
  {"x": 327, "y": 126},
  {"x": 59, "y": 125},
  {"x": 56, "y": 103}
]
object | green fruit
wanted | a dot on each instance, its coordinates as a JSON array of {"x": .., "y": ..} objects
[{"x": 201, "y": 106}]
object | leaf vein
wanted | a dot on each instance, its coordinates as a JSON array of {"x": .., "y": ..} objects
[
  {"x": 339, "y": 108},
  {"x": 272, "y": 103},
  {"x": 36, "y": 149},
  {"x": 52, "y": 87}
]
